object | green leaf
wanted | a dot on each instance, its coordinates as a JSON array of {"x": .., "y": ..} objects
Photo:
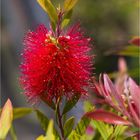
[
  {"x": 70, "y": 104},
  {"x": 66, "y": 19},
  {"x": 74, "y": 136},
  {"x": 88, "y": 106},
  {"x": 119, "y": 130},
  {"x": 130, "y": 51},
  {"x": 69, "y": 4},
  {"x": 130, "y": 138},
  {"x": 97, "y": 136},
  {"x": 135, "y": 129},
  {"x": 68, "y": 126},
  {"x": 44, "y": 121},
  {"x": 79, "y": 130},
  {"x": 49, "y": 133},
  {"x": 50, "y": 9},
  {"x": 21, "y": 112},
  {"x": 41, "y": 137},
  {"x": 82, "y": 125},
  {"x": 13, "y": 133},
  {"x": 6, "y": 119},
  {"x": 104, "y": 129}
]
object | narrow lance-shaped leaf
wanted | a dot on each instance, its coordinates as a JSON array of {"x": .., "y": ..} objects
[
  {"x": 6, "y": 119},
  {"x": 68, "y": 126},
  {"x": 101, "y": 127},
  {"x": 66, "y": 18},
  {"x": 49, "y": 133},
  {"x": 44, "y": 121},
  {"x": 21, "y": 112},
  {"x": 135, "y": 92},
  {"x": 119, "y": 130},
  {"x": 107, "y": 117},
  {"x": 82, "y": 125},
  {"x": 74, "y": 136},
  {"x": 41, "y": 137},
  {"x": 80, "y": 129},
  {"x": 13, "y": 133},
  {"x": 70, "y": 104},
  {"x": 50, "y": 9},
  {"x": 69, "y": 4}
]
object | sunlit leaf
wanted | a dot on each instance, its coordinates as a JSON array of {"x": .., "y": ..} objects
[
  {"x": 49, "y": 133},
  {"x": 107, "y": 117},
  {"x": 21, "y": 112},
  {"x": 103, "y": 129},
  {"x": 50, "y": 9},
  {"x": 74, "y": 136},
  {"x": 6, "y": 119},
  {"x": 41, "y": 138},
  {"x": 69, "y": 4},
  {"x": 119, "y": 130},
  {"x": 70, "y": 104},
  {"x": 68, "y": 126},
  {"x": 88, "y": 106}
]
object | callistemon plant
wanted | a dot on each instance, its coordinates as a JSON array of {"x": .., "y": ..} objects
[
  {"x": 56, "y": 66},
  {"x": 56, "y": 62}
]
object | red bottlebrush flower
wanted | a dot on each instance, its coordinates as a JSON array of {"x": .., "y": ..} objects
[{"x": 55, "y": 66}]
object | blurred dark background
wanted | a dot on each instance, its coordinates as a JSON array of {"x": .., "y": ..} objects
[{"x": 111, "y": 23}]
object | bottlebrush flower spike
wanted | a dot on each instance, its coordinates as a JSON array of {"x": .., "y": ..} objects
[
  {"x": 127, "y": 102},
  {"x": 53, "y": 66}
]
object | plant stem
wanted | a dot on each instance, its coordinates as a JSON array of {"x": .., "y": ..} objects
[
  {"x": 58, "y": 29},
  {"x": 60, "y": 122}
]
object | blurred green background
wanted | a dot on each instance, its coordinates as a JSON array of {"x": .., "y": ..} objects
[{"x": 111, "y": 23}]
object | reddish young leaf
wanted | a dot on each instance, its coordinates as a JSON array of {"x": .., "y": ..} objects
[
  {"x": 107, "y": 117},
  {"x": 135, "y": 41},
  {"x": 135, "y": 92}
]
